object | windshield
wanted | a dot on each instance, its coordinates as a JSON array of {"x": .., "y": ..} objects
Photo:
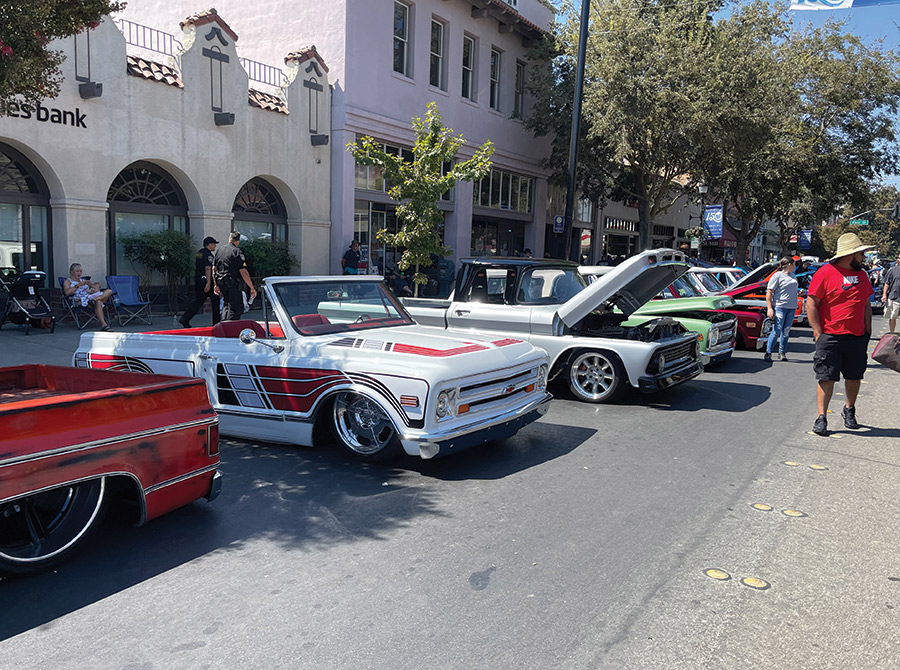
[
  {"x": 707, "y": 282},
  {"x": 320, "y": 307},
  {"x": 685, "y": 289}
]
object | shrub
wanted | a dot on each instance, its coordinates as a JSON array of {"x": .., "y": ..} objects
[
  {"x": 268, "y": 258},
  {"x": 168, "y": 252}
]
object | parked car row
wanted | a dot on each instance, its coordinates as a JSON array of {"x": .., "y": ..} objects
[{"x": 345, "y": 356}]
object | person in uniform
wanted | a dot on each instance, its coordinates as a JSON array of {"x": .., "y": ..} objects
[
  {"x": 203, "y": 284},
  {"x": 230, "y": 274}
]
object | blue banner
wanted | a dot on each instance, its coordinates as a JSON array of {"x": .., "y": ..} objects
[
  {"x": 804, "y": 241},
  {"x": 712, "y": 221},
  {"x": 839, "y": 4}
]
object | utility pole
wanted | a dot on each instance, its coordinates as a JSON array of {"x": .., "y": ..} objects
[{"x": 576, "y": 127}]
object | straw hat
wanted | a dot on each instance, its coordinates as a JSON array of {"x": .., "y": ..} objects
[{"x": 849, "y": 243}]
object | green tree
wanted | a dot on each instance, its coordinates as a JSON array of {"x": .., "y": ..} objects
[
  {"x": 29, "y": 70},
  {"x": 168, "y": 252},
  {"x": 418, "y": 185},
  {"x": 269, "y": 258}
]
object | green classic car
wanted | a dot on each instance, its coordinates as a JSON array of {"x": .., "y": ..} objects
[{"x": 715, "y": 329}]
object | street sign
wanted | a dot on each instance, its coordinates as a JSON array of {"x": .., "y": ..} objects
[
  {"x": 859, "y": 222},
  {"x": 559, "y": 224}
]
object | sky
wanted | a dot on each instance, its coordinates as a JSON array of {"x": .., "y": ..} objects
[{"x": 868, "y": 23}]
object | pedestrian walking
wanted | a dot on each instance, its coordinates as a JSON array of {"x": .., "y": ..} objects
[
  {"x": 781, "y": 306},
  {"x": 203, "y": 284},
  {"x": 350, "y": 261},
  {"x": 230, "y": 274},
  {"x": 840, "y": 315},
  {"x": 891, "y": 295}
]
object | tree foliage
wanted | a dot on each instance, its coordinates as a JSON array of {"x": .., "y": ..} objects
[
  {"x": 168, "y": 252},
  {"x": 781, "y": 123},
  {"x": 418, "y": 185},
  {"x": 29, "y": 70},
  {"x": 269, "y": 258}
]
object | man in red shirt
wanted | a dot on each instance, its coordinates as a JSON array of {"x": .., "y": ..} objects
[{"x": 840, "y": 314}]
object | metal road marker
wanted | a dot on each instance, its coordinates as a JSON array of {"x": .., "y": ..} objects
[
  {"x": 715, "y": 573},
  {"x": 794, "y": 513},
  {"x": 762, "y": 507},
  {"x": 755, "y": 583}
]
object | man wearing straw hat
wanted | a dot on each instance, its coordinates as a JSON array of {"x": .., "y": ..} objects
[{"x": 840, "y": 314}]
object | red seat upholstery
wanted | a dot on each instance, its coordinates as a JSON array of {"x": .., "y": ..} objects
[
  {"x": 304, "y": 320},
  {"x": 234, "y": 328}
]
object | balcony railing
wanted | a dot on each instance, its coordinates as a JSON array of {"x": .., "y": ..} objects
[
  {"x": 148, "y": 38},
  {"x": 265, "y": 74}
]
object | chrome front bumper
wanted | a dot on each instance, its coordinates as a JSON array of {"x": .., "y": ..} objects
[{"x": 500, "y": 427}]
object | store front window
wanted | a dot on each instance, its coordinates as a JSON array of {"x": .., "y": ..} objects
[
  {"x": 142, "y": 198},
  {"x": 259, "y": 212},
  {"x": 497, "y": 238},
  {"x": 24, "y": 215}
]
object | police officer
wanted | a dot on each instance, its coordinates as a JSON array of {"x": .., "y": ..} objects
[
  {"x": 230, "y": 274},
  {"x": 203, "y": 284}
]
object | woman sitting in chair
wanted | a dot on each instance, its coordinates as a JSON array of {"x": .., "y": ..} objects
[{"x": 86, "y": 293}]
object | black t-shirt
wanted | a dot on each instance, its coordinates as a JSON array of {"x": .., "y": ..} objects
[
  {"x": 351, "y": 260},
  {"x": 892, "y": 279},
  {"x": 203, "y": 260},
  {"x": 229, "y": 260}
]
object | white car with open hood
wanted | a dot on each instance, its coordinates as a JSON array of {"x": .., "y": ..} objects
[
  {"x": 580, "y": 325},
  {"x": 342, "y": 352}
]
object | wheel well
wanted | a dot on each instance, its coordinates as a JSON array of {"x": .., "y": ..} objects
[
  {"x": 565, "y": 358},
  {"x": 127, "y": 492},
  {"x": 321, "y": 427}
]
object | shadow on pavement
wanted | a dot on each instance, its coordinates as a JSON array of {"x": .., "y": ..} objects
[
  {"x": 295, "y": 497},
  {"x": 706, "y": 394}
]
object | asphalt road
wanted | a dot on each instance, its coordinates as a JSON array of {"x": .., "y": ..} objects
[{"x": 583, "y": 542}]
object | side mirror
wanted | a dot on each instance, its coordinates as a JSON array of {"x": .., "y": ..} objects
[{"x": 247, "y": 336}]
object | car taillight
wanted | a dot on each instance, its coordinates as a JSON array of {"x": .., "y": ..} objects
[{"x": 212, "y": 439}]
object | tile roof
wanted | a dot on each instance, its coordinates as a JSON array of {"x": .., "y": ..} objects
[
  {"x": 165, "y": 74},
  {"x": 267, "y": 101},
  {"x": 305, "y": 54},
  {"x": 208, "y": 16},
  {"x": 516, "y": 17}
]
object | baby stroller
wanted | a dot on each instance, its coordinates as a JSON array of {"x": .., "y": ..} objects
[{"x": 24, "y": 303}]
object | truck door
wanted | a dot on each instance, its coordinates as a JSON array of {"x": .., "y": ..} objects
[{"x": 488, "y": 302}]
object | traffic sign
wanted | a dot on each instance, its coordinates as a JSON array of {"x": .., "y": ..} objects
[
  {"x": 859, "y": 222},
  {"x": 559, "y": 224}
]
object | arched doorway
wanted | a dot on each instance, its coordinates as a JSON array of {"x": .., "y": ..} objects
[
  {"x": 24, "y": 214},
  {"x": 259, "y": 212},
  {"x": 142, "y": 198}
]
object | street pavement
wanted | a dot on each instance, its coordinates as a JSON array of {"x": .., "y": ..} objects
[{"x": 586, "y": 541}]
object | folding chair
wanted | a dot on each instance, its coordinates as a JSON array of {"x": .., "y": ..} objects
[
  {"x": 82, "y": 316},
  {"x": 131, "y": 303}
]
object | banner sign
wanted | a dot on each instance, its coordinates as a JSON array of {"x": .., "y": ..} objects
[
  {"x": 839, "y": 4},
  {"x": 805, "y": 239},
  {"x": 712, "y": 221},
  {"x": 559, "y": 224}
]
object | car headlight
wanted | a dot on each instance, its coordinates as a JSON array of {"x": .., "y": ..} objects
[
  {"x": 542, "y": 377},
  {"x": 446, "y": 404}
]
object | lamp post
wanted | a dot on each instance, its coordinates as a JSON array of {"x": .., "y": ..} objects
[{"x": 703, "y": 189}]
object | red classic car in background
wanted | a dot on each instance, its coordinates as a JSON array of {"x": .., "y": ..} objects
[
  {"x": 72, "y": 441},
  {"x": 753, "y": 326}
]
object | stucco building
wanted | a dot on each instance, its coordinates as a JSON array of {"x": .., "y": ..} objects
[{"x": 151, "y": 132}]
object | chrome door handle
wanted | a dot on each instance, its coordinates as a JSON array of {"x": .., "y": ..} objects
[
  {"x": 462, "y": 312},
  {"x": 208, "y": 357}
]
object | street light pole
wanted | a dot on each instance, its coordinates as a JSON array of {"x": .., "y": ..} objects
[
  {"x": 576, "y": 126},
  {"x": 702, "y": 188}
]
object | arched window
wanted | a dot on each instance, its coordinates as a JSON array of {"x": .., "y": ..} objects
[
  {"x": 24, "y": 214},
  {"x": 259, "y": 211},
  {"x": 142, "y": 198}
]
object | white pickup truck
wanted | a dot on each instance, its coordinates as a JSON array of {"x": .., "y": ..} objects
[
  {"x": 342, "y": 353},
  {"x": 549, "y": 303}
]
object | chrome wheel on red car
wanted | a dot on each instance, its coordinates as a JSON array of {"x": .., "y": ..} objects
[
  {"x": 363, "y": 428},
  {"x": 40, "y": 530},
  {"x": 595, "y": 376}
]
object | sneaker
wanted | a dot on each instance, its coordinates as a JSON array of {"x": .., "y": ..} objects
[
  {"x": 849, "y": 414},
  {"x": 768, "y": 357},
  {"x": 784, "y": 357},
  {"x": 820, "y": 427}
]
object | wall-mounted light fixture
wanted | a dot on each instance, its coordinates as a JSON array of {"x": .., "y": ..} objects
[
  {"x": 318, "y": 140},
  {"x": 224, "y": 118}
]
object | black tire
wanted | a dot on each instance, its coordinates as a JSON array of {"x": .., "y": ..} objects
[
  {"x": 41, "y": 530},
  {"x": 363, "y": 429},
  {"x": 594, "y": 376}
]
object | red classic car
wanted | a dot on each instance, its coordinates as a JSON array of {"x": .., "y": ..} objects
[
  {"x": 753, "y": 326},
  {"x": 72, "y": 441}
]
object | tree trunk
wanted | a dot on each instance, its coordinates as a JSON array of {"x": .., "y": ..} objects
[
  {"x": 645, "y": 225},
  {"x": 415, "y": 283}
]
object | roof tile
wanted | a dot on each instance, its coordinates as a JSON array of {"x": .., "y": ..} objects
[{"x": 139, "y": 67}]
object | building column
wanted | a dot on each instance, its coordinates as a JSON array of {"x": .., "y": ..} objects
[
  {"x": 307, "y": 243},
  {"x": 74, "y": 225},
  {"x": 343, "y": 194},
  {"x": 458, "y": 223},
  {"x": 214, "y": 224},
  {"x": 534, "y": 234}
]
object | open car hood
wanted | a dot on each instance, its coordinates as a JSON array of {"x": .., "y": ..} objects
[
  {"x": 754, "y": 276},
  {"x": 627, "y": 286}
]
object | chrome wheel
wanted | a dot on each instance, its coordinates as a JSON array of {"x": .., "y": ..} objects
[
  {"x": 594, "y": 376},
  {"x": 40, "y": 530},
  {"x": 363, "y": 428}
]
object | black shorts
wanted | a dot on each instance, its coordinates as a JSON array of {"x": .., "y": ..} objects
[{"x": 838, "y": 355}]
